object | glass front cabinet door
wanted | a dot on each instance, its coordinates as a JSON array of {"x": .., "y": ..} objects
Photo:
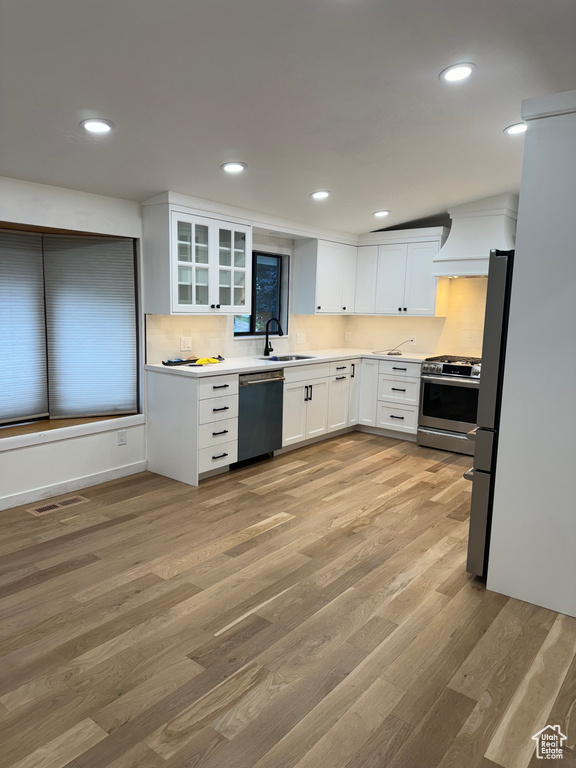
[
  {"x": 211, "y": 265},
  {"x": 234, "y": 260}
]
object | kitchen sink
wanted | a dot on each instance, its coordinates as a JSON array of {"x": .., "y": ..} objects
[{"x": 287, "y": 358}]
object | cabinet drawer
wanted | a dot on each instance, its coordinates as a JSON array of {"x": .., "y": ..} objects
[
  {"x": 340, "y": 368},
  {"x": 398, "y": 389},
  {"x": 217, "y": 386},
  {"x": 217, "y": 433},
  {"x": 306, "y": 372},
  {"x": 401, "y": 418},
  {"x": 217, "y": 456},
  {"x": 400, "y": 368},
  {"x": 217, "y": 409}
]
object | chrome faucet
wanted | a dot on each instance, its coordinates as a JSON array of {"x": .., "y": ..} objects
[{"x": 267, "y": 346}]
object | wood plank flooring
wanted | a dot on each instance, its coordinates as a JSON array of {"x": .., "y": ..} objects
[{"x": 312, "y": 610}]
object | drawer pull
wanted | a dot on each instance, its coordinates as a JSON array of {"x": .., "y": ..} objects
[
  {"x": 397, "y": 389},
  {"x": 221, "y": 386},
  {"x": 226, "y": 408},
  {"x": 339, "y": 378},
  {"x": 396, "y": 417},
  {"x": 223, "y": 432},
  {"x": 220, "y": 456},
  {"x": 340, "y": 367},
  {"x": 394, "y": 368}
]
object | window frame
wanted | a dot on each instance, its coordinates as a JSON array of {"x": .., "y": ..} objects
[{"x": 252, "y": 332}]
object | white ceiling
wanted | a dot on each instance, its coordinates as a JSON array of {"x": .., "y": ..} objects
[{"x": 336, "y": 94}]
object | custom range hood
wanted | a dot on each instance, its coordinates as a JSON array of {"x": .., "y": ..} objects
[{"x": 477, "y": 228}]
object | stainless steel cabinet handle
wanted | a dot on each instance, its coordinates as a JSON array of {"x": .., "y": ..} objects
[
  {"x": 220, "y": 456},
  {"x": 226, "y": 408},
  {"x": 220, "y": 386},
  {"x": 223, "y": 432},
  {"x": 396, "y": 389},
  {"x": 262, "y": 381},
  {"x": 469, "y": 475},
  {"x": 396, "y": 417}
]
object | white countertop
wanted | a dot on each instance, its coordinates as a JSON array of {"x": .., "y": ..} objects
[{"x": 250, "y": 364}]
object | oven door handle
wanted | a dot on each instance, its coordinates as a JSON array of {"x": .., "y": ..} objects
[{"x": 449, "y": 381}]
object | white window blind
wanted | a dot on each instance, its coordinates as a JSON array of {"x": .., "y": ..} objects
[
  {"x": 23, "y": 379},
  {"x": 91, "y": 326}
]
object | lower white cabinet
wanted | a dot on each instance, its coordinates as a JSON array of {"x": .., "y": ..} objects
[
  {"x": 354, "y": 392},
  {"x": 338, "y": 402},
  {"x": 305, "y": 410},
  {"x": 398, "y": 396},
  {"x": 368, "y": 393},
  {"x": 192, "y": 424}
]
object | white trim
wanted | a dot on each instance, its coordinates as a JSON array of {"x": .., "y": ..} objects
[
  {"x": 66, "y": 433},
  {"x": 30, "y": 497},
  {"x": 549, "y": 106}
]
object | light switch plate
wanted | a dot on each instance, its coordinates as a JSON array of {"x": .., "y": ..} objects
[
  {"x": 348, "y": 336},
  {"x": 185, "y": 343},
  {"x": 300, "y": 338}
]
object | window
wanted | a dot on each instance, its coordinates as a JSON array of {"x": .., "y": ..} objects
[
  {"x": 267, "y": 298},
  {"x": 68, "y": 327}
]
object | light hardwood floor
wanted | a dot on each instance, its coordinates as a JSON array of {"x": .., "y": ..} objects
[{"x": 312, "y": 611}]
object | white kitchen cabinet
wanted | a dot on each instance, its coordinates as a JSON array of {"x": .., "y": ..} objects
[
  {"x": 405, "y": 284},
  {"x": 368, "y": 393},
  {"x": 354, "y": 392},
  {"x": 192, "y": 424},
  {"x": 324, "y": 278},
  {"x": 338, "y": 402},
  {"x": 398, "y": 395},
  {"x": 195, "y": 264},
  {"x": 394, "y": 272},
  {"x": 366, "y": 272},
  {"x": 305, "y": 406}
]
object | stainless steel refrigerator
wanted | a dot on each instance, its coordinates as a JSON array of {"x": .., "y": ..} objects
[{"x": 485, "y": 435}]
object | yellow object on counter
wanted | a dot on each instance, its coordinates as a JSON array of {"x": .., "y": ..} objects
[{"x": 206, "y": 361}]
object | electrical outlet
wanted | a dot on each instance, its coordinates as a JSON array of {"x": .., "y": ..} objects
[
  {"x": 185, "y": 343},
  {"x": 348, "y": 336},
  {"x": 122, "y": 437},
  {"x": 300, "y": 338},
  {"x": 413, "y": 340}
]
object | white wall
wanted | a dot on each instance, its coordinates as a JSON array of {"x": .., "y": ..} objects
[
  {"x": 39, "y": 471},
  {"x": 533, "y": 546}
]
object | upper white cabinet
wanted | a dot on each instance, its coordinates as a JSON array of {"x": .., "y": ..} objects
[
  {"x": 395, "y": 278},
  {"x": 324, "y": 278},
  {"x": 195, "y": 264}
]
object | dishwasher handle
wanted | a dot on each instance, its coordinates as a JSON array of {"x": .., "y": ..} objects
[{"x": 262, "y": 381}]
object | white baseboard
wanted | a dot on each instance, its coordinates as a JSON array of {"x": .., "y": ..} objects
[{"x": 69, "y": 486}]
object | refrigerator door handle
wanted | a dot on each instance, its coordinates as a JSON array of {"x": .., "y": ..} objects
[
  {"x": 469, "y": 475},
  {"x": 472, "y": 434}
]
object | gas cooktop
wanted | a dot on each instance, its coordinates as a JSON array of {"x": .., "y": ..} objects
[{"x": 456, "y": 359}]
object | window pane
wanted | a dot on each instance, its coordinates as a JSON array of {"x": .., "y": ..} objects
[
  {"x": 267, "y": 298},
  {"x": 241, "y": 323},
  {"x": 91, "y": 320},
  {"x": 23, "y": 384}
]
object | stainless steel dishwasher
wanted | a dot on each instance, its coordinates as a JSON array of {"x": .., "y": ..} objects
[{"x": 260, "y": 401}]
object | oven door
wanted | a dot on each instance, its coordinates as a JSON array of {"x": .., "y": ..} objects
[{"x": 448, "y": 403}]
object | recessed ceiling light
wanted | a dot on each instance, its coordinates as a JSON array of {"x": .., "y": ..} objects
[
  {"x": 456, "y": 72},
  {"x": 380, "y": 214},
  {"x": 97, "y": 125},
  {"x": 234, "y": 167},
  {"x": 516, "y": 128},
  {"x": 320, "y": 194}
]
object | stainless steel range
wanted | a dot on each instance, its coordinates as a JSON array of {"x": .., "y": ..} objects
[{"x": 449, "y": 402}]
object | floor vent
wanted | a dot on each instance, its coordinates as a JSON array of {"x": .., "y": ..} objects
[{"x": 71, "y": 501}]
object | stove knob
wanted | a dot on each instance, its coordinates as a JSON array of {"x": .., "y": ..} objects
[
  {"x": 438, "y": 369},
  {"x": 425, "y": 367}
]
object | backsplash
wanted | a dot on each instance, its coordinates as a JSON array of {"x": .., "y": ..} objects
[{"x": 460, "y": 332}]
